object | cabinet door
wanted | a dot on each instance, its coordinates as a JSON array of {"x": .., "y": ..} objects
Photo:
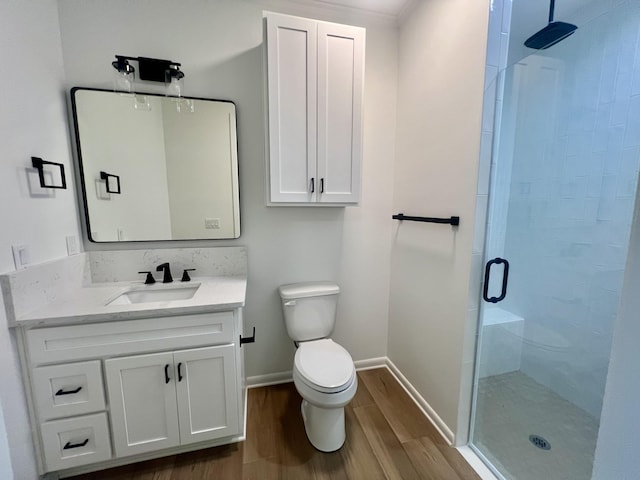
[
  {"x": 340, "y": 96},
  {"x": 291, "y": 64},
  {"x": 207, "y": 393},
  {"x": 143, "y": 403}
]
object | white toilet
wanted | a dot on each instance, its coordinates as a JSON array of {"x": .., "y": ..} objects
[{"x": 323, "y": 371}]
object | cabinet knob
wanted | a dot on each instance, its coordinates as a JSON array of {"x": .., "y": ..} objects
[{"x": 166, "y": 373}]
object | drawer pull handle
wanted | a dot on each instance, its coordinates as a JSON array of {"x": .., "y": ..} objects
[
  {"x": 69, "y": 445},
  {"x": 166, "y": 373},
  {"x": 179, "y": 372},
  {"x": 68, "y": 392}
]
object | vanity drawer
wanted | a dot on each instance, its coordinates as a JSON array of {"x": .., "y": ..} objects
[
  {"x": 80, "y": 342},
  {"x": 75, "y": 441},
  {"x": 67, "y": 390}
]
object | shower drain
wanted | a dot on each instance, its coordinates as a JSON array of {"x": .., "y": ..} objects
[{"x": 540, "y": 442}]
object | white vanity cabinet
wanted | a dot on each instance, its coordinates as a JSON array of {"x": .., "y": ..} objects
[
  {"x": 148, "y": 387},
  {"x": 315, "y": 89},
  {"x": 167, "y": 399}
]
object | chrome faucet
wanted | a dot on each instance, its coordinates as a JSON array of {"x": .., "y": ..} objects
[{"x": 164, "y": 267}]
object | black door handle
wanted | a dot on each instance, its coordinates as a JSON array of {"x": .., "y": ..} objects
[
  {"x": 322, "y": 185},
  {"x": 68, "y": 392},
  {"x": 179, "y": 372},
  {"x": 166, "y": 373},
  {"x": 69, "y": 445},
  {"x": 487, "y": 275},
  {"x": 313, "y": 185}
]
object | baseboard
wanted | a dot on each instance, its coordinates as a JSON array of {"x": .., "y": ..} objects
[
  {"x": 424, "y": 406},
  {"x": 285, "y": 377},
  {"x": 269, "y": 379},
  {"x": 368, "y": 364}
]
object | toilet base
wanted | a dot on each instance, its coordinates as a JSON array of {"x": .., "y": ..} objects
[{"x": 324, "y": 426}]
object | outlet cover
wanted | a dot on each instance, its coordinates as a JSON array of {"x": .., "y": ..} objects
[
  {"x": 72, "y": 245},
  {"x": 20, "y": 256},
  {"x": 212, "y": 223}
]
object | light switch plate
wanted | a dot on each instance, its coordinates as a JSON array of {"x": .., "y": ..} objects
[{"x": 20, "y": 256}]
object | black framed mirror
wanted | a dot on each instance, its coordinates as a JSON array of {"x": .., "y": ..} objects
[{"x": 175, "y": 161}]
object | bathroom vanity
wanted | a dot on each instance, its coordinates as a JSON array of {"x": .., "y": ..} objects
[{"x": 119, "y": 372}]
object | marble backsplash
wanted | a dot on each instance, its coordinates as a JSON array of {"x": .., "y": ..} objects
[{"x": 124, "y": 265}]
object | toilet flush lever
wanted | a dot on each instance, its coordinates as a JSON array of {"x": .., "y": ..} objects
[{"x": 290, "y": 303}]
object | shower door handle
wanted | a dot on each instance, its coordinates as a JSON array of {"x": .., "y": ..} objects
[{"x": 487, "y": 275}]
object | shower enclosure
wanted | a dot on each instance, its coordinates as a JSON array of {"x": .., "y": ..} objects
[{"x": 564, "y": 173}]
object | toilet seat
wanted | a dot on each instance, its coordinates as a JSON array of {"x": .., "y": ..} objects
[{"x": 324, "y": 366}]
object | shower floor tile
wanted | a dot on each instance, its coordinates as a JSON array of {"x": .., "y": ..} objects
[{"x": 513, "y": 406}]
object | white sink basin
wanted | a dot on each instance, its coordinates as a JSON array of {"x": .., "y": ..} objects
[{"x": 156, "y": 294}]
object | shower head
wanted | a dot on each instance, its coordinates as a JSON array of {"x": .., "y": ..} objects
[
  {"x": 550, "y": 35},
  {"x": 553, "y": 33}
]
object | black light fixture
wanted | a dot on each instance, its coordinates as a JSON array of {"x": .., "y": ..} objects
[{"x": 149, "y": 70}]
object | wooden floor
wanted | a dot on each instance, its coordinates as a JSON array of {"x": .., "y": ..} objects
[{"x": 387, "y": 437}]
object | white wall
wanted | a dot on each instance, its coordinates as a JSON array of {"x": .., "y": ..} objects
[
  {"x": 440, "y": 89},
  {"x": 220, "y": 47},
  {"x": 32, "y": 122}
]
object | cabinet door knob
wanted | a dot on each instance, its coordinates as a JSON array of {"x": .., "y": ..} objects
[
  {"x": 313, "y": 184},
  {"x": 322, "y": 185},
  {"x": 166, "y": 373},
  {"x": 179, "y": 372}
]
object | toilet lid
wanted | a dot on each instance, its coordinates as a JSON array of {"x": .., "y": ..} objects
[{"x": 324, "y": 365}]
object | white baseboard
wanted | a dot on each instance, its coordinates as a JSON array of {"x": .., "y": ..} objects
[
  {"x": 371, "y": 363},
  {"x": 269, "y": 379},
  {"x": 424, "y": 406},
  {"x": 286, "y": 377}
]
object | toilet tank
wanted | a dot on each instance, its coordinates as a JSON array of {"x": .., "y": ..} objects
[{"x": 309, "y": 309}]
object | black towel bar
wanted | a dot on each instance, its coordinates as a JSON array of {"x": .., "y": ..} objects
[{"x": 449, "y": 221}]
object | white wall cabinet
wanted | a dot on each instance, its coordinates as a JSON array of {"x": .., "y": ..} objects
[
  {"x": 315, "y": 86},
  {"x": 167, "y": 399},
  {"x": 173, "y": 384}
]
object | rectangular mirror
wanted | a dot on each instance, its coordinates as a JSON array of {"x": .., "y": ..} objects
[{"x": 156, "y": 168}]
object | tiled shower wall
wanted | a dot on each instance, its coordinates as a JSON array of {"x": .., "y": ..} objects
[{"x": 576, "y": 152}]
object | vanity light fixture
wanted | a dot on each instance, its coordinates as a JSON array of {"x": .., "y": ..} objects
[
  {"x": 124, "y": 75},
  {"x": 149, "y": 70}
]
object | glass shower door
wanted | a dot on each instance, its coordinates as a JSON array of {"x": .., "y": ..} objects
[{"x": 564, "y": 178}]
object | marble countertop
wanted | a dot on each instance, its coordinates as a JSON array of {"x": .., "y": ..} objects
[{"x": 90, "y": 303}]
